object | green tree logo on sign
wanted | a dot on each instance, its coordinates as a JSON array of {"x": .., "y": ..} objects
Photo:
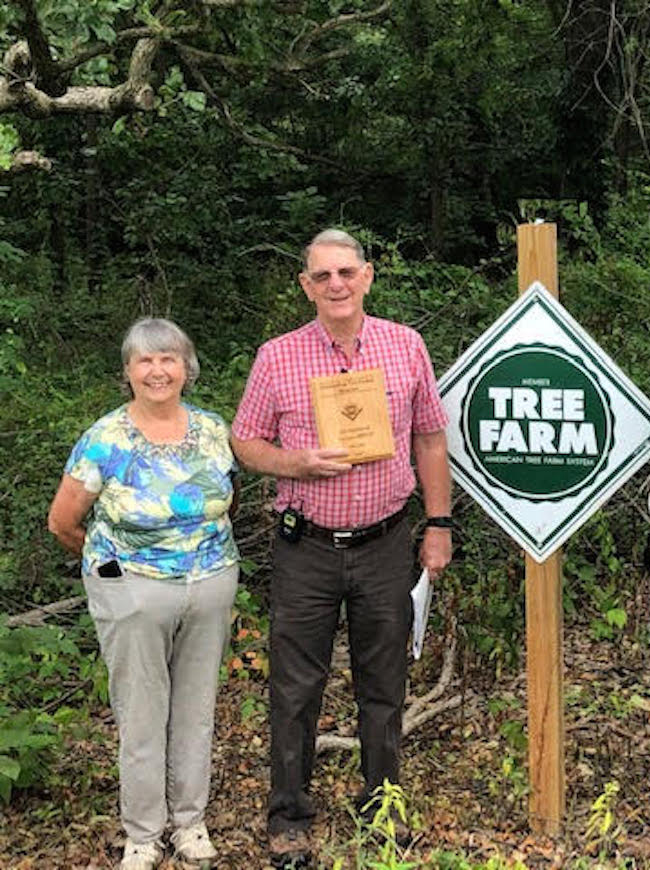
[{"x": 537, "y": 422}]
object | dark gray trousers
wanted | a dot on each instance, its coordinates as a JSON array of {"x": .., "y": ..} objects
[{"x": 310, "y": 580}]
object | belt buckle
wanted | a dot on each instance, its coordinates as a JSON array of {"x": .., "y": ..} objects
[{"x": 342, "y": 539}]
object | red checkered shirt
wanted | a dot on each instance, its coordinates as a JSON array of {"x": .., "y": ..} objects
[{"x": 277, "y": 404}]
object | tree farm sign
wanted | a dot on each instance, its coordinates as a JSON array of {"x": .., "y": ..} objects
[{"x": 544, "y": 427}]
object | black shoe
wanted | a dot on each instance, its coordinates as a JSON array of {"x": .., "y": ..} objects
[{"x": 290, "y": 849}]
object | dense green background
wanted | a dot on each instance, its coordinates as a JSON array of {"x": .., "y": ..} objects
[{"x": 430, "y": 131}]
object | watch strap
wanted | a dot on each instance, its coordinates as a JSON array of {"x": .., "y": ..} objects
[{"x": 439, "y": 522}]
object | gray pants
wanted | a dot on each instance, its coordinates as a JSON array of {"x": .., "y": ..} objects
[{"x": 163, "y": 644}]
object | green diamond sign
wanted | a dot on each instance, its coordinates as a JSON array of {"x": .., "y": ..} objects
[{"x": 544, "y": 427}]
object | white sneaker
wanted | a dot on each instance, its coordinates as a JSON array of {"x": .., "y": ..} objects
[
  {"x": 193, "y": 845},
  {"x": 141, "y": 856}
]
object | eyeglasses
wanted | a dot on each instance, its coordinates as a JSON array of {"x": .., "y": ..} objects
[{"x": 345, "y": 274}]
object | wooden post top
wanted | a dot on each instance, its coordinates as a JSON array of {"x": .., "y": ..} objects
[{"x": 537, "y": 247}]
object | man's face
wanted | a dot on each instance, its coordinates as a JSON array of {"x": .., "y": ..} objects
[{"x": 336, "y": 282}]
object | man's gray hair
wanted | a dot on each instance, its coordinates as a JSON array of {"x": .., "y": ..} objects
[
  {"x": 157, "y": 335},
  {"x": 333, "y": 236}
]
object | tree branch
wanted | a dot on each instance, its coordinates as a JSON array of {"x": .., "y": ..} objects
[
  {"x": 418, "y": 705},
  {"x": 135, "y": 93},
  {"x": 298, "y": 64},
  {"x": 23, "y": 161},
  {"x": 231, "y": 64},
  {"x": 38, "y": 615},
  {"x": 419, "y": 710},
  {"x": 243, "y": 134},
  {"x": 228, "y": 4},
  {"x": 332, "y": 24},
  {"x": 228, "y": 62},
  {"x": 46, "y": 73},
  {"x": 122, "y": 36}
]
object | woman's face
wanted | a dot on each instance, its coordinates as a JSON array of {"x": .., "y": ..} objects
[{"x": 157, "y": 376}]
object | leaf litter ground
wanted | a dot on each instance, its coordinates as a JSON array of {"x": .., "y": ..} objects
[{"x": 463, "y": 771}]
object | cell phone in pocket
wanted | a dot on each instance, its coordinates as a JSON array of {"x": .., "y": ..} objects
[{"x": 110, "y": 569}]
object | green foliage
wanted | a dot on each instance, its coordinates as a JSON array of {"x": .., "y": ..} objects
[
  {"x": 71, "y": 25},
  {"x": 377, "y": 838},
  {"x": 602, "y": 830},
  {"x": 247, "y": 656},
  {"x": 9, "y": 141},
  {"x": 254, "y": 711},
  {"x": 597, "y": 580},
  {"x": 27, "y": 744},
  {"x": 436, "y": 129},
  {"x": 44, "y": 672},
  {"x": 573, "y": 220},
  {"x": 174, "y": 91}
]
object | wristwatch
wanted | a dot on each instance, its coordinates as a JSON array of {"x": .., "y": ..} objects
[{"x": 439, "y": 522}]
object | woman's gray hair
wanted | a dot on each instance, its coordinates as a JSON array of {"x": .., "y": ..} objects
[
  {"x": 333, "y": 236},
  {"x": 157, "y": 335}
]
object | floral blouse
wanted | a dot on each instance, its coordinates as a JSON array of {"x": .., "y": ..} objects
[{"x": 161, "y": 509}]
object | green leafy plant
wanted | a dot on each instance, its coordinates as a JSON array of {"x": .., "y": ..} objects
[
  {"x": 248, "y": 656},
  {"x": 27, "y": 743},
  {"x": 253, "y": 711},
  {"x": 597, "y": 581},
  {"x": 388, "y": 802},
  {"x": 9, "y": 141},
  {"x": 43, "y": 673},
  {"x": 602, "y": 830}
]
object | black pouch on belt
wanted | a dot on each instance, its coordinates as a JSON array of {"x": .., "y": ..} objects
[{"x": 292, "y": 522}]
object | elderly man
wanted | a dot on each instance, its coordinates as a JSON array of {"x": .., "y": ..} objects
[{"x": 343, "y": 533}]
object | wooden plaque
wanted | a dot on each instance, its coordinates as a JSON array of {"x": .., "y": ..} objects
[{"x": 352, "y": 412}]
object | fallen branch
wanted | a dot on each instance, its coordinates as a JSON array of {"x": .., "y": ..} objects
[
  {"x": 420, "y": 709},
  {"x": 38, "y": 615},
  {"x": 332, "y": 742}
]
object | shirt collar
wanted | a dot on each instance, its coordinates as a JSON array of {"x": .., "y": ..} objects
[{"x": 329, "y": 342}]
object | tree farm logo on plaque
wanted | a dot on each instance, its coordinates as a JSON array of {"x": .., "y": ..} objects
[{"x": 544, "y": 427}]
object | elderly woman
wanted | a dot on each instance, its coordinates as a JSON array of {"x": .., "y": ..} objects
[{"x": 146, "y": 496}]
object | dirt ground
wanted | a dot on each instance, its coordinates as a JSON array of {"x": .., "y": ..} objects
[{"x": 464, "y": 773}]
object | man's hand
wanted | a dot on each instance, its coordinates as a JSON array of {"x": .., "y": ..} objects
[
  {"x": 266, "y": 458},
  {"x": 435, "y": 551},
  {"x": 319, "y": 463}
]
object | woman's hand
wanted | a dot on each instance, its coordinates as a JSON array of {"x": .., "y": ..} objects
[{"x": 68, "y": 511}]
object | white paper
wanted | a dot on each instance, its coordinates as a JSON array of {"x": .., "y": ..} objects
[{"x": 421, "y": 594}]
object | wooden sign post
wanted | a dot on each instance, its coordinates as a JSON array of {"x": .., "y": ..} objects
[
  {"x": 537, "y": 261},
  {"x": 543, "y": 428}
]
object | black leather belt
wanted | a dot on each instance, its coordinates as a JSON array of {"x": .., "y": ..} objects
[{"x": 343, "y": 539}]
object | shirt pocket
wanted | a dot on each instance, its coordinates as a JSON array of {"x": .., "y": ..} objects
[{"x": 399, "y": 408}]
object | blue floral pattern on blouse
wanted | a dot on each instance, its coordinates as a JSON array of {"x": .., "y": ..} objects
[{"x": 161, "y": 509}]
